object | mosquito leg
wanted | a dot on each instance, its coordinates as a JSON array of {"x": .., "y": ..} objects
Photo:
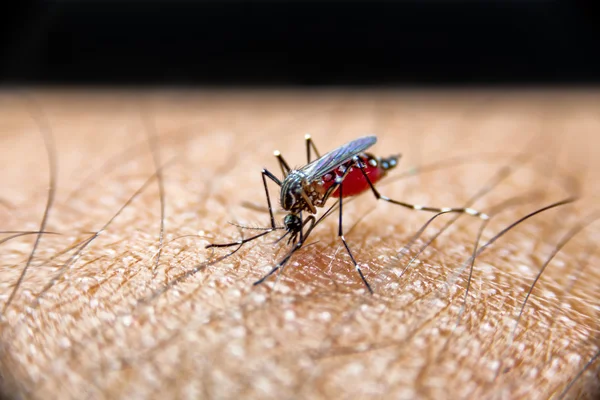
[
  {"x": 265, "y": 174},
  {"x": 264, "y": 278},
  {"x": 311, "y": 222},
  {"x": 239, "y": 242},
  {"x": 341, "y": 235},
  {"x": 310, "y": 144},
  {"x": 303, "y": 224},
  {"x": 379, "y": 196},
  {"x": 280, "y": 264},
  {"x": 285, "y": 167}
]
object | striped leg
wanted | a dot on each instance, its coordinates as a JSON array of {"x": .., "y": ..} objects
[
  {"x": 310, "y": 144},
  {"x": 341, "y": 235},
  {"x": 265, "y": 174},
  {"x": 304, "y": 232},
  {"x": 417, "y": 207},
  {"x": 285, "y": 168}
]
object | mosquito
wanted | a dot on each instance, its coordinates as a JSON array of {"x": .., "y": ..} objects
[{"x": 344, "y": 172}]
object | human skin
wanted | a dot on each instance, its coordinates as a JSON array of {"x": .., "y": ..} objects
[{"x": 142, "y": 311}]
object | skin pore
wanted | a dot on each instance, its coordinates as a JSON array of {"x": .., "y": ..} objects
[{"x": 121, "y": 299}]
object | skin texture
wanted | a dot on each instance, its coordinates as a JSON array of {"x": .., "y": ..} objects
[{"x": 144, "y": 310}]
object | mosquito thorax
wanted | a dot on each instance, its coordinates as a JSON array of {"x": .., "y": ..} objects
[{"x": 291, "y": 191}]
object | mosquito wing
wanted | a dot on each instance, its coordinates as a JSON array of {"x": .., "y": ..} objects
[{"x": 330, "y": 161}]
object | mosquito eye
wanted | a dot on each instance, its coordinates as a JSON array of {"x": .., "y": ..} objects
[{"x": 287, "y": 201}]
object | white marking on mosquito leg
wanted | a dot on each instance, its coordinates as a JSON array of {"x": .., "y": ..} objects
[
  {"x": 277, "y": 153},
  {"x": 417, "y": 207},
  {"x": 446, "y": 209},
  {"x": 307, "y": 136}
]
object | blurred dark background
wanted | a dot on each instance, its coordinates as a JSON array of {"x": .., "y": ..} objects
[{"x": 300, "y": 42}]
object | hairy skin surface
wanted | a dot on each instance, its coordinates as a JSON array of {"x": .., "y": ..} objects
[{"x": 143, "y": 311}]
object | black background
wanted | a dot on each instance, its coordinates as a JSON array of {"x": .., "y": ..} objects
[{"x": 301, "y": 42}]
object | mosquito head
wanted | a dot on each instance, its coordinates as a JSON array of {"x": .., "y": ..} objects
[{"x": 293, "y": 223}]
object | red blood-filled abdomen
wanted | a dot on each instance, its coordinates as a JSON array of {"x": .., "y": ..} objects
[{"x": 355, "y": 182}]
